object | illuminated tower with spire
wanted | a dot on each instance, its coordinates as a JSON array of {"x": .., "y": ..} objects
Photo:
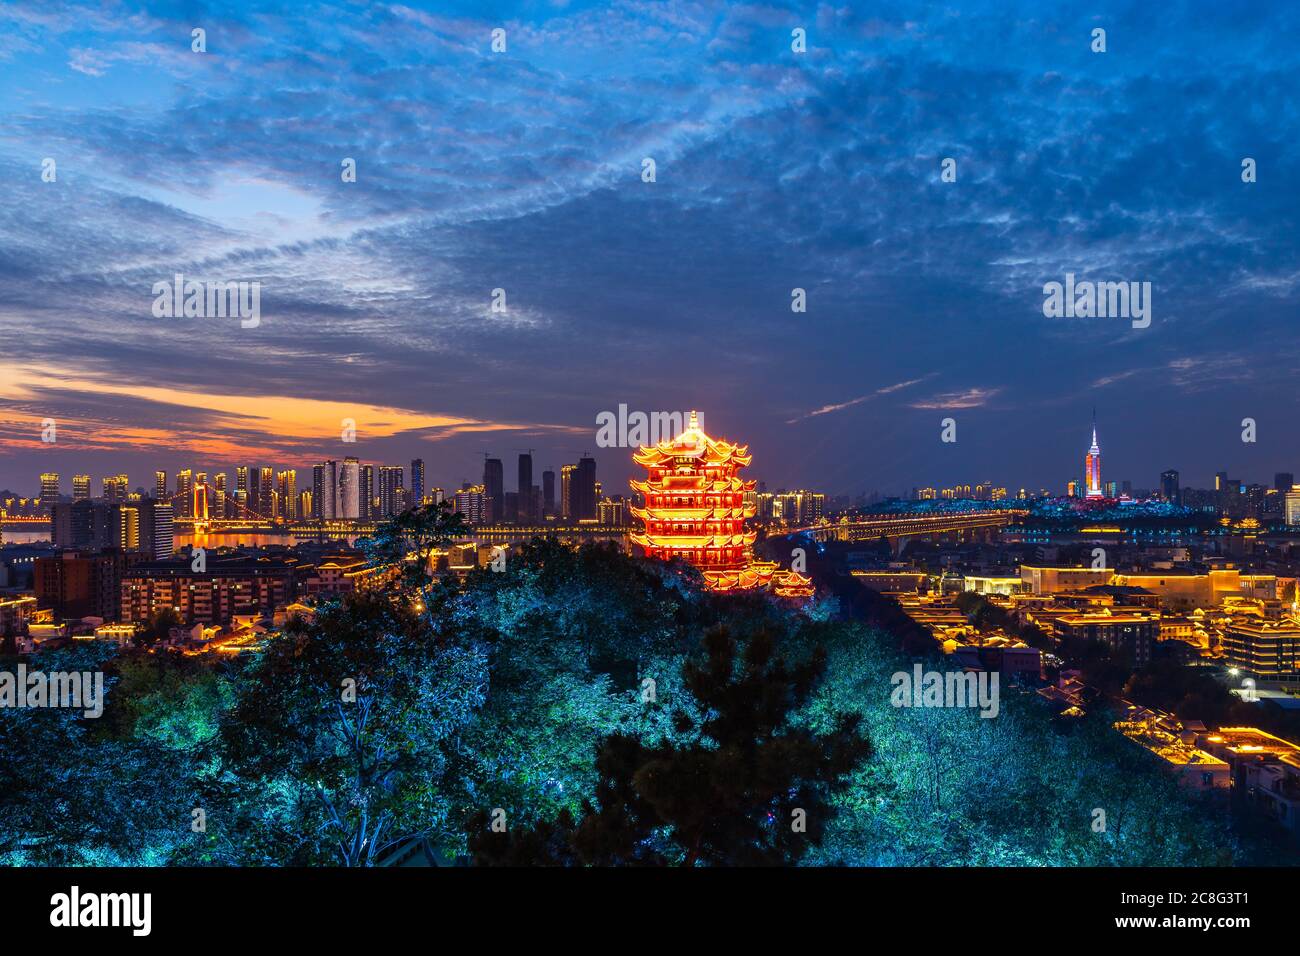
[
  {"x": 695, "y": 510},
  {"x": 1092, "y": 465}
]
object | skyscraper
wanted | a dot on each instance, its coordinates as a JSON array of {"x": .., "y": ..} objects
[
  {"x": 160, "y": 485},
  {"x": 86, "y": 524},
  {"x": 548, "y": 492},
  {"x": 1169, "y": 486},
  {"x": 525, "y": 488},
  {"x": 366, "y": 508},
  {"x": 1092, "y": 467},
  {"x": 219, "y": 496},
  {"x": 156, "y": 527},
  {"x": 566, "y": 491},
  {"x": 390, "y": 480},
  {"x": 349, "y": 505},
  {"x": 329, "y": 490},
  {"x": 184, "y": 487},
  {"x": 318, "y": 491},
  {"x": 50, "y": 488},
  {"x": 287, "y": 492},
  {"x": 1292, "y": 506},
  {"x": 494, "y": 498},
  {"x": 417, "y": 481},
  {"x": 583, "y": 489},
  {"x": 80, "y": 487},
  {"x": 265, "y": 490},
  {"x": 115, "y": 488},
  {"x": 470, "y": 501}
]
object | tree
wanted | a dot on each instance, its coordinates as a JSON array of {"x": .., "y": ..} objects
[
  {"x": 73, "y": 794},
  {"x": 407, "y": 543},
  {"x": 742, "y": 785},
  {"x": 337, "y": 732},
  {"x": 159, "y": 625}
]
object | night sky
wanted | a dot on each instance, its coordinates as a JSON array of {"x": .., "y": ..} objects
[{"x": 522, "y": 170}]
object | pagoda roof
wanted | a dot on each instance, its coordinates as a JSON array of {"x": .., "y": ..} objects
[{"x": 693, "y": 443}]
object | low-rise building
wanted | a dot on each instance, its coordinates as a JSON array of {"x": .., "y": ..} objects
[
  {"x": 1265, "y": 770},
  {"x": 1266, "y": 650},
  {"x": 224, "y": 590},
  {"x": 1164, "y": 736},
  {"x": 1132, "y": 631}
]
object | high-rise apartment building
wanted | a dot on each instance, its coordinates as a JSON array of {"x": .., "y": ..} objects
[
  {"x": 81, "y": 487},
  {"x": 115, "y": 488},
  {"x": 367, "y": 493},
  {"x": 349, "y": 490},
  {"x": 417, "y": 481},
  {"x": 265, "y": 492},
  {"x": 185, "y": 493},
  {"x": 548, "y": 492},
  {"x": 583, "y": 489},
  {"x": 318, "y": 490},
  {"x": 286, "y": 486},
  {"x": 471, "y": 502},
  {"x": 1293, "y": 507},
  {"x": 494, "y": 492},
  {"x": 390, "y": 482},
  {"x": 525, "y": 488},
  {"x": 1169, "y": 487},
  {"x": 566, "y": 491},
  {"x": 49, "y": 488}
]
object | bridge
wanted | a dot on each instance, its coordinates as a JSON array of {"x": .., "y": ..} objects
[
  {"x": 506, "y": 533},
  {"x": 898, "y": 528}
]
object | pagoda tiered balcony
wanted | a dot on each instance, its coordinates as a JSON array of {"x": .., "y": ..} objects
[{"x": 695, "y": 510}]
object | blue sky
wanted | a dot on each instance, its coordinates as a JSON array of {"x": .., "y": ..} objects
[{"x": 774, "y": 170}]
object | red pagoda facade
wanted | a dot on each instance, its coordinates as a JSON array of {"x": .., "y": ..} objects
[{"x": 695, "y": 510}]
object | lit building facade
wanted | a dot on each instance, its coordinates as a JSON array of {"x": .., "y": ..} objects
[
  {"x": 49, "y": 488},
  {"x": 695, "y": 510},
  {"x": 1092, "y": 469}
]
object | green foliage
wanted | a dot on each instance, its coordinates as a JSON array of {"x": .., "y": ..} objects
[
  {"x": 342, "y": 720},
  {"x": 616, "y": 712},
  {"x": 72, "y": 794},
  {"x": 158, "y": 627},
  {"x": 949, "y": 788},
  {"x": 745, "y": 787}
]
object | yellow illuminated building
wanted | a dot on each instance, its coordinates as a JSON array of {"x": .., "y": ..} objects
[{"x": 695, "y": 510}]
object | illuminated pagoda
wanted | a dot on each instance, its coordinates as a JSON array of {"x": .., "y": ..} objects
[{"x": 695, "y": 510}]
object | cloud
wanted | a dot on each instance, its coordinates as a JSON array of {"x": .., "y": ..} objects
[
  {"x": 521, "y": 171},
  {"x": 827, "y": 409},
  {"x": 971, "y": 398}
]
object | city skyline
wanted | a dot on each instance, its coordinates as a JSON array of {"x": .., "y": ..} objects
[
  {"x": 821, "y": 172},
  {"x": 1082, "y": 480}
]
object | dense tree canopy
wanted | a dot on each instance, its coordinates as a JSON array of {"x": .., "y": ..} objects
[{"x": 597, "y": 709}]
